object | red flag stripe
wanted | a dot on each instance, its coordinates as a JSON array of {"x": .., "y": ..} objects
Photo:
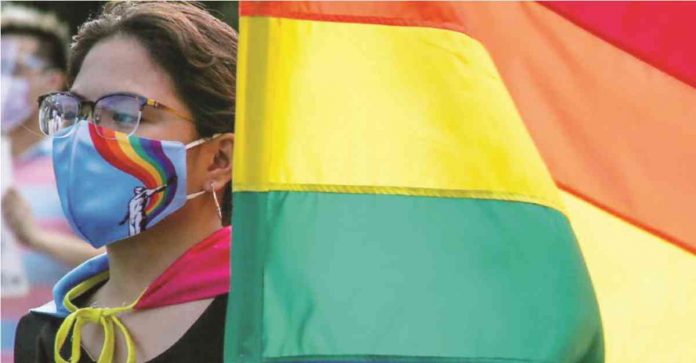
[{"x": 660, "y": 33}]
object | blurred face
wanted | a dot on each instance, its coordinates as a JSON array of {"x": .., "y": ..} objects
[{"x": 19, "y": 61}]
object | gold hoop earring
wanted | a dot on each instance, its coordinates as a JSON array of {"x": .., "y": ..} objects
[{"x": 217, "y": 204}]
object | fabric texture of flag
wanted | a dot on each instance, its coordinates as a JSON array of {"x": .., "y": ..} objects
[
  {"x": 607, "y": 91},
  {"x": 390, "y": 204}
]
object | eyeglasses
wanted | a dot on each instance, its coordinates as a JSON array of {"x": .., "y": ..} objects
[
  {"x": 122, "y": 112},
  {"x": 10, "y": 66}
]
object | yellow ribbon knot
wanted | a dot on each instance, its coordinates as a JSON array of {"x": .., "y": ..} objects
[{"x": 106, "y": 317}]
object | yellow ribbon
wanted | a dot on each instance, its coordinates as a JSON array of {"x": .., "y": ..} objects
[{"x": 106, "y": 317}]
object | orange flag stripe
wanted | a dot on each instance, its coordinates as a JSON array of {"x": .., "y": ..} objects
[{"x": 613, "y": 130}]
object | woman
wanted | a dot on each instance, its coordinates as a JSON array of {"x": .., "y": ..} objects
[{"x": 142, "y": 151}]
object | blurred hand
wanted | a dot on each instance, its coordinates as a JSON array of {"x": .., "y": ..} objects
[{"x": 19, "y": 218}]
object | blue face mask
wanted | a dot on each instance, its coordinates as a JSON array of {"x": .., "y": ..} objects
[{"x": 116, "y": 186}]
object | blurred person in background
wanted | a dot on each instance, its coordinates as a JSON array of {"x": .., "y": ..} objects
[
  {"x": 34, "y": 60},
  {"x": 38, "y": 246}
]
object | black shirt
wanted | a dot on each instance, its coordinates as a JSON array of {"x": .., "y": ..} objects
[{"x": 202, "y": 342}]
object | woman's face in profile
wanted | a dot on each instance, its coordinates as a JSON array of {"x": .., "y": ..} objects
[{"x": 122, "y": 64}]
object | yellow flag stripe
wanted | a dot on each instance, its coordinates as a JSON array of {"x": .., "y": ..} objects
[
  {"x": 646, "y": 287},
  {"x": 362, "y": 105}
]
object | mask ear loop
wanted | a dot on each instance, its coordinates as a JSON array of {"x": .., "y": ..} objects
[
  {"x": 200, "y": 141},
  {"x": 217, "y": 204}
]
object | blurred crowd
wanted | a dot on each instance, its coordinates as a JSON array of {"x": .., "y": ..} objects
[{"x": 38, "y": 246}]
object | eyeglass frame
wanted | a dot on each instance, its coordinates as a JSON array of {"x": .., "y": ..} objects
[{"x": 144, "y": 101}]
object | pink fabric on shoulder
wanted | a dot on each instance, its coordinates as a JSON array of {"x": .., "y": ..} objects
[{"x": 201, "y": 272}]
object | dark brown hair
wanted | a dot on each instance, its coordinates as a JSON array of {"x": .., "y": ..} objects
[{"x": 197, "y": 50}]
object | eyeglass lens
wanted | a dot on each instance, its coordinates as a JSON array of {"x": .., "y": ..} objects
[
  {"x": 118, "y": 112},
  {"x": 115, "y": 112},
  {"x": 58, "y": 112}
]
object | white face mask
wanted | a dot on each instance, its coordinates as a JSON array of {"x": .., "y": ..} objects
[{"x": 15, "y": 102}]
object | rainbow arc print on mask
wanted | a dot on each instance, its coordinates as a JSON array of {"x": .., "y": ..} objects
[{"x": 142, "y": 158}]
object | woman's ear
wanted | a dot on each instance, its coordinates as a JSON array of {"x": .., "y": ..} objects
[{"x": 220, "y": 168}]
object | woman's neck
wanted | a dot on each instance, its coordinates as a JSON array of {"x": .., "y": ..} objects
[{"x": 135, "y": 262}]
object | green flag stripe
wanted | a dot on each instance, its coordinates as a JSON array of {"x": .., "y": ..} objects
[{"x": 329, "y": 274}]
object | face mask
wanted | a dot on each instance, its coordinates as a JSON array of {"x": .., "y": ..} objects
[
  {"x": 15, "y": 102},
  {"x": 112, "y": 189}
]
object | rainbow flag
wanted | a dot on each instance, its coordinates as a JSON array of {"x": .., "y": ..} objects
[{"x": 391, "y": 204}]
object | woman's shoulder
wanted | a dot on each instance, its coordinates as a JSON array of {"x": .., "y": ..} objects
[{"x": 34, "y": 339}]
